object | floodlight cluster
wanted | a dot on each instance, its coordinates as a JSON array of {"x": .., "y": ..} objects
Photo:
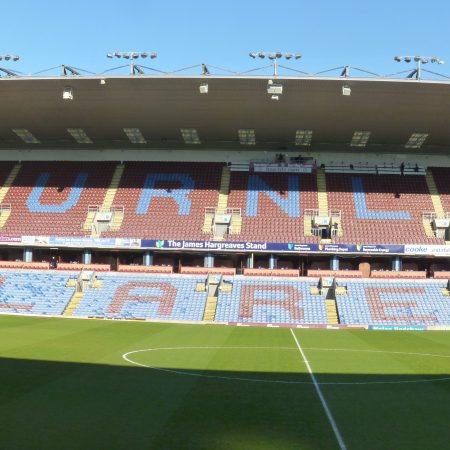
[
  {"x": 9, "y": 57},
  {"x": 419, "y": 59},
  {"x": 131, "y": 55},
  {"x": 275, "y": 55}
]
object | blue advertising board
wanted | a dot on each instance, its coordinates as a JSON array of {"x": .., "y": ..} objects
[
  {"x": 180, "y": 244},
  {"x": 398, "y": 327}
]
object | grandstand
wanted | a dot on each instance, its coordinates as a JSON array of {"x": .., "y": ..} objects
[
  {"x": 279, "y": 201},
  {"x": 202, "y": 267}
]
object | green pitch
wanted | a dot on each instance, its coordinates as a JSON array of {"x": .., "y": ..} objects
[{"x": 65, "y": 384}]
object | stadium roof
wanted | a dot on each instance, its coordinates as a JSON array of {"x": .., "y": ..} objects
[{"x": 160, "y": 112}]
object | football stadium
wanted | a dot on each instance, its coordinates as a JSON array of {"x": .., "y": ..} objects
[{"x": 225, "y": 261}]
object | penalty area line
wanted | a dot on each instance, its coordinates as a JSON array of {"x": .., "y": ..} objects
[{"x": 330, "y": 417}]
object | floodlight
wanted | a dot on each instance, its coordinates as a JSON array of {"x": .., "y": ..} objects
[
  {"x": 110, "y": 55},
  {"x": 67, "y": 93},
  {"x": 135, "y": 55},
  {"x": 419, "y": 60},
  {"x": 126, "y": 55},
  {"x": 346, "y": 90},
  {"x": 144, "y": 55},
  {"x": 274, "y": 88},
  {"x": 9, "y": 57},
  {"x": 274, "y": 57},
  {"x": 118, "y": 55},
  {"x": 153, "y": 55}
]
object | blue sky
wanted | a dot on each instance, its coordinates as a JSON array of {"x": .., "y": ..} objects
[{"x": 329, "y": 33}]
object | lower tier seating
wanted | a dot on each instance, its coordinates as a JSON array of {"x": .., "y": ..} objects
[
  {"x": 242, "y": 300},
  {"x": 143, "y": 297},
  {"x": 398, "y": 303},
  {"x": 271, "y": 302},
  {"x": 33, "y": 292}
]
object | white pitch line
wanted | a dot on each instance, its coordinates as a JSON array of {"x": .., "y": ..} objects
[{"x": 330, "y": 417}]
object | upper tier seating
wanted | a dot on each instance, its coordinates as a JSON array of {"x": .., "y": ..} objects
[
  {"x": 41, "y": 293},
  {"x": 272, "y": 205},
  {"x": 144, "y": 297},
  {"x": 270, "y": 302},
  {"x": 380, "y": 209},
  {"x": 167, "y": 200},
  {"x": 52, "y": 198},
  {"x": 397, "y": 303}
]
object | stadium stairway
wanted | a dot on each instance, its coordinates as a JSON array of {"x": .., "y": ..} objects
[
  {"x": 107, "y": 204},
  {"x": 222, "y": 203},
  {"x": 322, "y": 198},
  {"x": 332, "y": 313},
  {"x": 428, "y": 228},
  {"x": 322, "y": 192},
  {"x": 73, "y": 303},
  {"x": 4, "y": 215},
  {"x": 210, "y": 309},
  {"x": 89, "y": 221},
  {"x": 434, "y": 193},
  {"x": 437, "y": 204},
  {"x": 112, "y": 189}
]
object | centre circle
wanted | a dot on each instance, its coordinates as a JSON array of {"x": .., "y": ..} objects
[{"x": 128, "y": 356}]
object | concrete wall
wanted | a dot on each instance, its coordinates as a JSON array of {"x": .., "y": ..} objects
[{"x": 215, "y": 155}]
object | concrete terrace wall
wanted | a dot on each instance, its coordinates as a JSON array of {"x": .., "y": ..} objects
[{"x": 215, "y": 155}]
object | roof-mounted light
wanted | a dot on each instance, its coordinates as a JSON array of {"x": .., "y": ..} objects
[
  {"x": 135, "y": 136},
  {"x": 190, "y": 136},
  {"x": 79, "y": 135},
  {"x": 360, "y": 138},
  {"x": 247, "y": 137},
  {"x": 303, "y": 137},
  {"x": 26, "y": 136}
]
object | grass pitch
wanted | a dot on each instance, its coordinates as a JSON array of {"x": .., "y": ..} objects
[{"x": 66, "y": 385}]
